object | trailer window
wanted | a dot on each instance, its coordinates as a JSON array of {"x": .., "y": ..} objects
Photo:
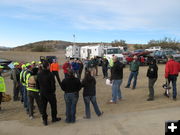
[{"x": 114, "y": 51}]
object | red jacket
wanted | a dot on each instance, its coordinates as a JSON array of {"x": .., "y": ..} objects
[
  {"x": 172, "y": 68},
  {"x": 54, "y": 67},
  {"x": 66, "y": 67}
]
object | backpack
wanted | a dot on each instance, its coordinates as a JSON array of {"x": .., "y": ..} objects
[{"x": 32, "y": 82}]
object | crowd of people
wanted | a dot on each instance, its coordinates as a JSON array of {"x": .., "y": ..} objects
[{"x": 35, "y": 82}]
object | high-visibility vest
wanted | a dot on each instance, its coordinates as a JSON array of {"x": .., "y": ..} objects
[
  {"x": 31, "y": 83},
  {"x": 2, "y": 85},
  {"x": 22, "y": 80},
  {"x": 111, "y": 63}
]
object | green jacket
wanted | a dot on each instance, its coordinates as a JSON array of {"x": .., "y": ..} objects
[
  {"x": 2, "y": 85},
  {"x": 134, "y": 66}
]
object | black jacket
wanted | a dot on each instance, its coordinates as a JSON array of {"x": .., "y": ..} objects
[
  {"x": 71, "y": 84},
  {"x": 46, "y": 82},
  {"x": 152, "y": 71},
  {"x": 89, "y": 87},
  {"x": 117, "y": 71}
]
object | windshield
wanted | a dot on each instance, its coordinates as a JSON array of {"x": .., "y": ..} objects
[{"x": 114, "y": 51}]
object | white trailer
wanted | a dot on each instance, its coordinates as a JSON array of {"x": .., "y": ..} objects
[
  {"x": 116, "y": 51},
  {"x": 72, "y": 51},
  {"x": 91, "y": 51}
]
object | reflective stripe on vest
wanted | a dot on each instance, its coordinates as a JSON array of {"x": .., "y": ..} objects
[
  {"x": 31, "y": 89},
  {"x": 2, "y": 85},
  {"x": 22, "y": 77}
]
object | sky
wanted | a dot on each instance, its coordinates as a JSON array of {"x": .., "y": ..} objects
[{"x": 135, "y": 21}]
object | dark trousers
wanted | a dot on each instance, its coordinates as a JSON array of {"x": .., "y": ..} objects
[
  {"x": 87, "y": 101},
  {"x": 16, "y": 90},
  {"x": 56, "y": 74},
  {"x": 105, "y": 71},
  {"x": 71, "y": 100},
  {"x": 96, "y": 68},
  {"x": 151, "y": 87},
  {"x": 0, "y": 97},
  {"x": 76, "y": 72},
  {"x": 31, "y": 96},
  {"x": 51, "y": 98},
  {"x": 65, "y": 75},
  {"x": 173, "y": 79}
]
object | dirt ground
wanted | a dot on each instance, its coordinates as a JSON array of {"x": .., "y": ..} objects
[{"x": 133, "y": 104}]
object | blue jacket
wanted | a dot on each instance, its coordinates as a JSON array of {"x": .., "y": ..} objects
[{"x": 75, "y": 66}]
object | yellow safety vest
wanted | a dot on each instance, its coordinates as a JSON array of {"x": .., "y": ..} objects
[
  {"x": 2, "y": 85},
  {"x": 111, "y": 63},
  {"x": 29, "y": 86}
]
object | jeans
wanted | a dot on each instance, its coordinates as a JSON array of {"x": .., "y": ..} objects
[
  {"x": 87, "y": 101},
  {"x": 132, "y": 74},
  {"x": 173, "y": 79},
  {"x": 25, "y": 99},
  {"x": 51, "y": 98},
  {"x": 1, "y": 98},
  {"x": 77, "y": 73},
  {"x": 116, "y": 91},
  {"x": 151, "y": 87},
  {"x": 31, "y": 96},
  {"x": 71, "y": 100}
]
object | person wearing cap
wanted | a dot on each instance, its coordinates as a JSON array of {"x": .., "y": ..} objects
[
  {"x": 16, "y": 81},
  {"x": 75, "y": 67},
  {"x": 172, "y": 70},
  {"x": 46, "y": 85},
  {"x": 54, "y": 68},
  {"x": 23, "y": 67},
  {"x": 105, "y": 64},
  {"x": 2, "y": 85},
  {"x": 152, "y": 74},
  {"x": 24, "y": 81},
  {"x": 91, "y": 66},
  {"x": 134, "y": 68},
  {"x": 32, "y": 91},
  {"x": 34, "y": 68}
]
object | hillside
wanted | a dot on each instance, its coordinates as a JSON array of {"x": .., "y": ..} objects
[
  {"x": 2, "y": 48},
  {"x": 49, "y": 45}
]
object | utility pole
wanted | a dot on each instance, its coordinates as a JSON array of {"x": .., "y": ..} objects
[{"x": 74, "y": 39}]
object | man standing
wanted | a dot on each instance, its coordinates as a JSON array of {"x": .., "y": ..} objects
[
  {"x": 75, "y": 68},
  {"x": 116, "y": 78},
  {"x": 2, "y": 85},
  {"x": 32, "y": 92},
  {"x": 55, "y": 70},
  {"x": 16, "y": 82},
  {"x": 47, "y": 87},
  {"x": 105, "y": 64},
  {"x": 66, "y": 67},
  {"x": 134, "y": 68},
  {"x": 172, "y": 70}
]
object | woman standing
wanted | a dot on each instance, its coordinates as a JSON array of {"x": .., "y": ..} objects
[
  {"x": 152, "y": 74},
  {"x": 89, "y": 94},
  {"x": 2, "y": 85},
  {"x": 71, "y": 86}
]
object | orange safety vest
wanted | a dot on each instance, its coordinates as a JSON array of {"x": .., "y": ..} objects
[{"x": 54, "y": 67}]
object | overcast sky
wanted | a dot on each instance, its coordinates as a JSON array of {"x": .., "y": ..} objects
[{"x": 136, "y": 21}]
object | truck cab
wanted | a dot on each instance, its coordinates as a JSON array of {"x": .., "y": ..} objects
[{"x": 116, "y": 51}]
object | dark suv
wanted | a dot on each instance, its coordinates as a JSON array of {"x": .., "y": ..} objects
[{"x": 161, "y": 56}]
